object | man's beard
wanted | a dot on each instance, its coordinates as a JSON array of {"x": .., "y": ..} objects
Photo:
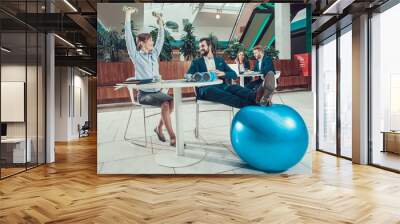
[{"x": 204, "y": 53}]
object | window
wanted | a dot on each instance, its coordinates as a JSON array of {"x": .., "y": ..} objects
[
  {"x": 346, "y": 92},
  {"x": 327, "y": 95},
  {"x": 385, "y": 89}
]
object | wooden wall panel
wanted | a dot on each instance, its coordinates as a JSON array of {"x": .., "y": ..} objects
[
  {"x": 111, "y": 73},
  {"x": 92, "y": 100}
]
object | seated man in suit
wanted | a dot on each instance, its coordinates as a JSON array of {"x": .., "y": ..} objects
[
  {"x": 232, "y": 95},
  {"x": 263, "y": 65}
]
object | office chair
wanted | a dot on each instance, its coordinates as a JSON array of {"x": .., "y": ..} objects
[{"x": 84, "y": 130}]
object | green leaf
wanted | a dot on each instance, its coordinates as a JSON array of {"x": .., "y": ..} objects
[{"x": 172, "y": 25}]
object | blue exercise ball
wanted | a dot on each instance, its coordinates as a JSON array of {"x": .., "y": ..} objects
[{"x": 271, "y": 139}]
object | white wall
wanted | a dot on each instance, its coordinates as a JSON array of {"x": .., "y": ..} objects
[
  {"x": 222, "y": 33},
  {"x": 80, "y": 83},
  {"x": 69, "y": 82},
  {"x": 112, "y": 16},
  {"x": 61, "y": 103},
  {"x": 171, "y": 12},
  {"x": 206, "y": 23},
  {"x": 12, "y": 73},
  {"x": 33, "y": 126}
]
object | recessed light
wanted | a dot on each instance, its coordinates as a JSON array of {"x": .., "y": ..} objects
[
  {"x": 86, "y": 72},
  {"x": 64, "y": 40},
  {"x": 5, "y": 50},
  {"x": 70, "y": 5}
]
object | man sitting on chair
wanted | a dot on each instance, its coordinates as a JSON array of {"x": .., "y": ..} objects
[
  {"x": 231, "y": 95},
  {"x": 263, "y": 65}
]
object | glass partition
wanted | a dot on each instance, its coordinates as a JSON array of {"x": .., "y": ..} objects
[
  {"x": 31, "y": 99},
  {"x": 14, "y": 153},
  {"x": 22, "y": 77}
]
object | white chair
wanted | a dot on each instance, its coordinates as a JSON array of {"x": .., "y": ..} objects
[
  {"x": 144, "y": 107},
  {"x": 198, "y": 111},
  {"x": 277, "y": 75}
]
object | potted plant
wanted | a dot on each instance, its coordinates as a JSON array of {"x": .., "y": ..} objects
[
  {"x": 166, "y": 52},
  {"x": 271, "y": 52},
  {"x": 214, "y": 42},
  {"x": 189, "y": 47},
  {"x": 172, "y": 25},
  {"x": 233, "y": 48}
]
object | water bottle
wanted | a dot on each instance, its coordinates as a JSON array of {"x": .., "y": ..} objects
[
  {"x": 213, "y": 76},
  {"x": 200, "y": 77}
]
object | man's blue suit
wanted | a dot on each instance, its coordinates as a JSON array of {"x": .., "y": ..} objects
[
  {"x": 266, "y": 66},
  {"x": 232, "y": 95}
]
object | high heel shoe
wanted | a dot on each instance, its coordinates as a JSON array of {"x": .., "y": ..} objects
[
  {"x": 174, "y": 143},
  {"x": 160, "y": 136}
]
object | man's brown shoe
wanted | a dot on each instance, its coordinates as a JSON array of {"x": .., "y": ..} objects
[{"x": 269, "y": 89}]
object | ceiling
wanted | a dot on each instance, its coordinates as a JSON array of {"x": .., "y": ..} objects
[{"x": 74, "y": 21}]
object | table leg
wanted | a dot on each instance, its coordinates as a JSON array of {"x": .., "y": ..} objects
[
  {"x": 178, "y": 119},
  {"x": 182, "y": 157},
  {"x": 131, "y": 95},
  {"x": 241, "y": 78}
]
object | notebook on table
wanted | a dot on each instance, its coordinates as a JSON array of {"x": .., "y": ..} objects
[{"x": 137, "y": 81}]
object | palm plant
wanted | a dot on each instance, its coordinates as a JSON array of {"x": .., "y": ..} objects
[
  {"x": 189, "y": 47},
  {"x": 134, "y": 34},
  {"x": 214, "y": 41},
  {"x": 172, "y": 25},
  {"x": 102, "y": 39},
  {"x": 110, "y": 42},
  {"x": 234, "y": 47},
  {"x": 166, "y": 52},
  {"x": 271, "y": 52}
]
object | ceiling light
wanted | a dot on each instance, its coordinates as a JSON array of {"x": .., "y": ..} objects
[
  {"x": 337, "y": 7},
  {"x": 64, "y": 40},
  {"x": 84, "y": 71},
  {"x": 5, "y": 50},
  {"x": 70, "y": 5},
  {"x": 218, "y": 16}
]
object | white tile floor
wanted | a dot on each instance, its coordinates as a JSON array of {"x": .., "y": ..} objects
[{"x": 117, "y": 156}]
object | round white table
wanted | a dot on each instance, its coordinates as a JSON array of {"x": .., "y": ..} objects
[
  {"x": 165, "y": 157},
  {"x": 247, "y": 74}
]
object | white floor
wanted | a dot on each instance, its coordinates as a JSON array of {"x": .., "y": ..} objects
[{"x": 117, "y": 156}]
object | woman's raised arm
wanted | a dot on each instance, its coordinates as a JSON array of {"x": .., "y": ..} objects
[{"x": 130, "y": 42}]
